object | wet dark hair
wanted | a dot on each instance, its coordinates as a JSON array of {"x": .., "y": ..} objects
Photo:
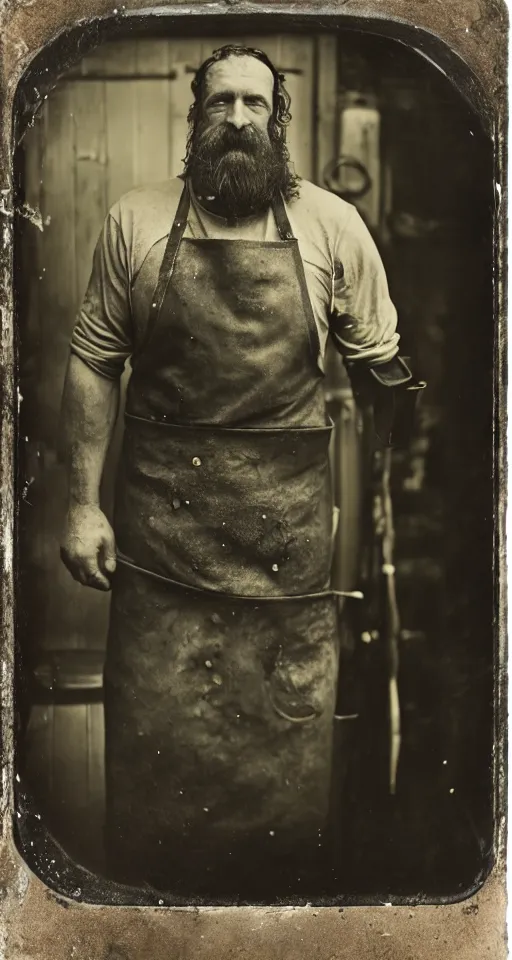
[{"x": 281, "y": 115}]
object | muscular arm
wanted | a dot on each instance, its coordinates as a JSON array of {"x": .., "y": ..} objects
[
  {"x": 363, "y": 316},
  {"x": 100, "y": 344},
  {"x": 364, "y": 329},
  {"x": 89, "y": 411}
]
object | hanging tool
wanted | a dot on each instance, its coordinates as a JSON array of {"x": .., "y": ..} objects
[{"x": 390, "y": 614}]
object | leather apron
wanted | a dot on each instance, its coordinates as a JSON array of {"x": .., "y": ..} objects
[{"x": 221, "y": 667}]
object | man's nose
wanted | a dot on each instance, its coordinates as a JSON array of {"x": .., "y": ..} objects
[{"x": 237, "y": 115}]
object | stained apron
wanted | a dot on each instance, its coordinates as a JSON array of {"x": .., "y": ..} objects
[{"x": 221, "y": 665}]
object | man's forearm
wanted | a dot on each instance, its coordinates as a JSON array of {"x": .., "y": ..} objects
[
  {"x": 392, "y": 391},
  {"x": 89, "y": 410}
]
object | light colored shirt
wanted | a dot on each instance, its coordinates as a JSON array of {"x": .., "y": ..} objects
[{"x": 345, "y": 276}]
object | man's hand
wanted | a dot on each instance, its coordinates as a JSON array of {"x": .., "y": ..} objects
[{"x": 88, "y": 548}]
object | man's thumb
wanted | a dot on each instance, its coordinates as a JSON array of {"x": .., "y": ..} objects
[
  {"x": 109, "y": 554},
  {"x": 110, "y": 563}
]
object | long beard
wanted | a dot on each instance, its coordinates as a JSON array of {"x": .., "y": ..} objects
[{"x": 241, "y": 169}]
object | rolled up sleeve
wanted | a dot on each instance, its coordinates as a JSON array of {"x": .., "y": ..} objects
[
  {"x": 102, "y": 336},
  {"x": 363, "y": 318}
]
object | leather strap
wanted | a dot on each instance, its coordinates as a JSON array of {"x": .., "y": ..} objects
[
  {"x": 352, "y": 595},
  {"x": 286, "y": 233},
  {"x": 281, "y": 218},
  {"x": 167, "y": 264},
  {"x": 227, "y": 430}
]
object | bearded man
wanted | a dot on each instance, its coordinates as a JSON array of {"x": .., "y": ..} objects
[{"x": 221, "y": 286}]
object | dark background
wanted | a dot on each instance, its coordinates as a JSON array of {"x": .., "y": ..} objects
[{"x": 118, "y": 119}]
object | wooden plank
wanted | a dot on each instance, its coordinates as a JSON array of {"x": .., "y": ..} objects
[
  {"x": 120, "y": 117},
  {"x": 297, "y": 53},
  {"x": 151, "y": 148},
  {"x": 90, "y": 168},
  {"x": 39, "y": 755},
  {"x": 182, "y": 54},
  {"x": 65, "y": 772},
  {"x": 31, "y": 250},
  {"x": 208, "y": 44},
  {"x": 95, "y": 770},
  {"x": 271, "y": 45},
  {"x": 95, "y": 816},
  {"x": 70, "y": 798},
  {"x": 325, "y": 104},
  {"x": 57, "y": 269},
  {"x": 94, "y": 61},
  {"x": 80, "y": 671},
  {"x": 27, "y": 289}
]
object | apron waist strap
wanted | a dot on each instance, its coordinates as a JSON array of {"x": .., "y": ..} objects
[
  {"x": 350, "y": 594},
  {"x": 272, "y": 430}
]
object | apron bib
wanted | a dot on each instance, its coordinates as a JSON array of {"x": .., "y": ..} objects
[{"x": 221, "y": 666}]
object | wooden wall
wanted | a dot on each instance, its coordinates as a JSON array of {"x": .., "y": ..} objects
[{"x": 116, "y": 121}]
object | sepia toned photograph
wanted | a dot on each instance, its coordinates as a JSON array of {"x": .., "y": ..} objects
[{"x": 255, "y": 599}]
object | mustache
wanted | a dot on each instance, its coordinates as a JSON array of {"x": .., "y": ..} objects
[{"x": 215, "y": 142}]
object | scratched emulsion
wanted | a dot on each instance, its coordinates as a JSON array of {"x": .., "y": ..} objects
[{"x": 36, "y": 924}]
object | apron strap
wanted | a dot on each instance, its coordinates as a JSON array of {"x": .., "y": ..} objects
[
  {"x": 281, "y": 218},
  {"x": 167, "y": 264},
  {"x": 286, "y": 233},
  {"x": 279, "y": 598}
]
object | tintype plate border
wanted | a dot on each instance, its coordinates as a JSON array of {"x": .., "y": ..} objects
[{"x": 468, "y": 39}]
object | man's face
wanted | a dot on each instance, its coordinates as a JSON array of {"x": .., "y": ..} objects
[
  {"x": 234, "y": 161},
  {"x": 239, "y": 92}
]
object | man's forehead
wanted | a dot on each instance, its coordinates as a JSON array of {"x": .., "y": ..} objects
[{"x": 245, "y": 72}]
